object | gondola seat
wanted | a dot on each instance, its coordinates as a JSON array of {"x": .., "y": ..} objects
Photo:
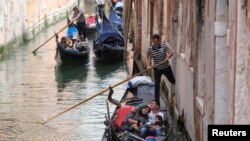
[{"x": 122, "y": 114}]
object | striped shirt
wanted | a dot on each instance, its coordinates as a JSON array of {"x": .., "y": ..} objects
[{"x": 159, "y": 55}]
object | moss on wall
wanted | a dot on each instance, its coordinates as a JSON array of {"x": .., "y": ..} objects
[
  {"x": 1, "y": 49},
  {"x": 5, "y": 49},
  {"x": 28, "y": 34},
  {"x": 46, "y": 23}
]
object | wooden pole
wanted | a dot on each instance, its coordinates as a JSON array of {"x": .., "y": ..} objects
[
  {"x": 99, "y": 93},
  {"x": 57, "y": 33}
]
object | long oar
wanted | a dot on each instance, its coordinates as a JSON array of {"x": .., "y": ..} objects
[
  {"x": 57, "y": 33},
  {"x": 101, "y": 92}
]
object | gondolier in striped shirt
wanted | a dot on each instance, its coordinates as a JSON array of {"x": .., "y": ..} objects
[{"x": 160, "y": 52}]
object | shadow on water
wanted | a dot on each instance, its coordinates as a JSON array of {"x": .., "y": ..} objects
[
  {"x": 103, "y": 69},
  {"x": 91, "y": 35},
  {"x": 73, "y": 62},
  {"x": 65, "y": 74}
]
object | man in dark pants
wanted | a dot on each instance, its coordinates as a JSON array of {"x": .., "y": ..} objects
[
  {"x": 160, "y": 53},
  {"x": 78, "y": 15}
]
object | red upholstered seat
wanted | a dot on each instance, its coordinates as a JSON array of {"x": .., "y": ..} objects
[
  {"x": 91, "y": 19},
  {"x": 122, "y": 114}
]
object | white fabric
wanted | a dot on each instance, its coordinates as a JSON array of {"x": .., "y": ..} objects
[
  {"x": 119, "y": 4},
  {"x": 100, "y": 1},
  {"x": 151, "y": 116},
  {"x": 134, "y": 82}
]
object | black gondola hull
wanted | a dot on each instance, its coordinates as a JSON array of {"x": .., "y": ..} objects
[
  {"x": 106, "y": 54},
  {"x": 72, "y": 57}
]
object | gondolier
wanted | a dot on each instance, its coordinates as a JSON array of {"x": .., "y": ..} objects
[
  {"x": 160, "y": 52},
  {"x": 78, "y": 15}
]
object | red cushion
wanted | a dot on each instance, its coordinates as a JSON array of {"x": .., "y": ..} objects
[
  {"x": 122, "y": 114},
  {"x": 91, "y": 19}
]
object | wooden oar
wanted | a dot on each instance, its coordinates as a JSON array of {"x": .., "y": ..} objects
[
  {"x": 57, "y": 32},
  {"x": 101, "y": 92}
]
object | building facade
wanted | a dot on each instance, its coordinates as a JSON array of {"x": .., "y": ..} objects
[{"x": 211, "y": 57}]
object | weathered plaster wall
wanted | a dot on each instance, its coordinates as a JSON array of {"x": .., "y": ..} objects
[
  {"x": 145, "y": 32},
  {"x": 248, "y": 63},
  {"x": 221, "y": 87},
  {"x": 232, "y": 33},
  {"x": 41, "y": 13},
  {"x": 184, "y": 88},
  {"x": 12, "y": 19},
  {"x": 210, "y": 40},
  {"x": 168, "y": 34},
  {"x": 22, "y": 19},
  {"x": 206, "y": 57},
  {"x": 156, "y": 19},
  {"x": 242, "y": 111},
  {"x": 238, "y": 74}
]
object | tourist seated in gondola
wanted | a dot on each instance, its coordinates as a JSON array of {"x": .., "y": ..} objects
[
  {"x": 69, "y": 45},
  {"x": 158, "y": 121},
  {"x": 65, "y": 43},
  {"x": 153, "y": 126},
  {"x": 81, "y": 44},
  {"x": 62, "y": 43},
  {"x": 135, "y": 119}
]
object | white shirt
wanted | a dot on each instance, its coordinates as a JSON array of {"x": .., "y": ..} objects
[
  {"x": 81, "y": 43},
  {"x": 151, "y": 116}
]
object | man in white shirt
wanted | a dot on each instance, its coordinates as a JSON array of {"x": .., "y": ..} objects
[{"x": 151, "y": 128}]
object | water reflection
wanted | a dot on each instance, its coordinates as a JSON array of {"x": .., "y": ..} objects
[
  {"x": 34, "y": 87},
  {"x": 67, "y": 75},
  {"x": 105, "y": 69}
]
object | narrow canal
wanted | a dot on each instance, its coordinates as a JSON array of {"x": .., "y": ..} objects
[{"x": 34, "y": 87}]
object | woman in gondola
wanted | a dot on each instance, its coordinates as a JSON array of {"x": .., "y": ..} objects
[{"x": 135, "y": 119}]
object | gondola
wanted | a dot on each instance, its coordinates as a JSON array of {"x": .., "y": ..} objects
[
  {"x": 109, "y": 42},
  {"x": 143, "y": 89},
  {"x": 71, "y": 57},
  {"x": 116, "y": 20}
]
